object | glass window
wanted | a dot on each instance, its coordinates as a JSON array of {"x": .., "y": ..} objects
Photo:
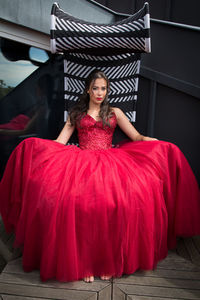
[
  {"x": 13, "y": 69},
  {"x": 31, "y": 95},
  {"x": 38, "y": 55}
]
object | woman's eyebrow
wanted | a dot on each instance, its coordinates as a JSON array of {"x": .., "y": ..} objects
[{"x": 95, "y": 86}]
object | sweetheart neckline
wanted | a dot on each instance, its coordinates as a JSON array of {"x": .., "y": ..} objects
[{"x": 95, "y": 119}]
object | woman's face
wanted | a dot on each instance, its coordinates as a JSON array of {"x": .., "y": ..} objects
[{"x": 98, "y": 91}]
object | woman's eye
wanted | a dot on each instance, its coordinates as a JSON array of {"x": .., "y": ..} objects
[{"x": 95, "y": 88}]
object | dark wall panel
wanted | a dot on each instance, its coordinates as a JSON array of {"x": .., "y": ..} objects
[
  {"x": 125, "y": 6},
  {"x": 158, "y": 9},
  {"x": 180, "y": 11},
  {"x": 186, "y": 12},
  {"x": 169, "y": 90},
  {"x": 143, "y": 105},
  {"x": 175, "y": 52},
  {"x": 177, "y": 121}
]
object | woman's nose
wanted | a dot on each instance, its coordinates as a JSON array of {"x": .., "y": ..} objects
[{"x": 99, "y": 92}]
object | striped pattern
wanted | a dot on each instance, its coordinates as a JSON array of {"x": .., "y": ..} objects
[
  {"x": 69, "y": 34},
  {"x": 122, "y": 71},
  {"x": 87, "y": 46}
]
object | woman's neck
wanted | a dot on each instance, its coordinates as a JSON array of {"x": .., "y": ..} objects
[{"x": 94, "y": 108}]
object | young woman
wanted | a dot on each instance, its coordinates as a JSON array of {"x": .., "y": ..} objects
[{"x": 94, "y": 210}]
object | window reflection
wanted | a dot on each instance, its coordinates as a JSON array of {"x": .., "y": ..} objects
[
  {"x": 38, "y": 55},
  {"x": 31, "y": 96},
  {"x": 14, "y": 65},
  {"x": 4, "y": 88}
]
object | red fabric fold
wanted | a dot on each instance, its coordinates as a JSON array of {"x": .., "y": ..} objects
[{"x": 94, "y": 212}]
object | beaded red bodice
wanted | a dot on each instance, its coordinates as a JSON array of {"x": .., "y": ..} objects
[{"x": 94, "y": 135}]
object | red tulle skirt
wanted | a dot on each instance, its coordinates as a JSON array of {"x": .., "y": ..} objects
[{"x": 97, "y": 212}]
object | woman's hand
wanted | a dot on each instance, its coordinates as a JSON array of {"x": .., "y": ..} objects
[
  {"x": 147, "y": 138},
  {"x": 66, "y": 133}
]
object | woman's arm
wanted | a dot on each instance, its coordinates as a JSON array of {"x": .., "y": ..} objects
[
  {"x": 128, "y": 128},
  {"x": 66, "y": 133}
]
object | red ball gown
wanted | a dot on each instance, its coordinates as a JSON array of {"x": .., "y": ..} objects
[{"x": 95, "y": 209}]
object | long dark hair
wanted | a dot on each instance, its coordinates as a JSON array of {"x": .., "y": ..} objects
[{"x": 82, "y": 106}]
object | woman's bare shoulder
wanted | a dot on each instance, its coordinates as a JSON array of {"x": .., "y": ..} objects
[
  {"x": 118, "y": 112},
  {"x": 116, "y": 109}
]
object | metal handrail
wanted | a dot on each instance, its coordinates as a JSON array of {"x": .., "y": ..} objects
[{"x": 180, "y": 25}]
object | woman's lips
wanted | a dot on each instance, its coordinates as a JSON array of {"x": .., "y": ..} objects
[{"x": 99, "y": 99}]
